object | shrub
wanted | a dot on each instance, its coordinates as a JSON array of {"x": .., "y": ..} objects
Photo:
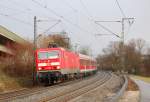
[{"x": 21, "y": 63}]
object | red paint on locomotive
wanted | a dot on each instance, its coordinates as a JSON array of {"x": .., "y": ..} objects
[{"x": 56, "y": 62}]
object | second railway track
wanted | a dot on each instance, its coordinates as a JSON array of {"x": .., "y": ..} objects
[
  {"x": 73, "y": 93},
  {"x": 58, "y": 93}
]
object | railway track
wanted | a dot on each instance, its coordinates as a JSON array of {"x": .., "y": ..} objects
[
  {"x": 73, "y": 93},
  {"x": 27, "y": 92},
  {"x": 67, "y": 91}
]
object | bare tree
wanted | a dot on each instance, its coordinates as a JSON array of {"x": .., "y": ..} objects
[
  {"x": 84, "y": 50},
  {"x": 140, "y": 43},
  {"x": 21, "y": 63},
  {"x": 60, "y": 40},
  {"x": 113, "y": 54},
  {"x": 111, "y": 59}
]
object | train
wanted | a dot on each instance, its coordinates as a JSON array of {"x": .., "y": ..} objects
[{"x": 57, "y": 64}]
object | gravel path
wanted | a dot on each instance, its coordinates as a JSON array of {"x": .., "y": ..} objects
[{"x": 145, "y": 90}]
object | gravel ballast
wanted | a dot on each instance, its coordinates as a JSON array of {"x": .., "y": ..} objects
[{"x": 101, "y": 93}]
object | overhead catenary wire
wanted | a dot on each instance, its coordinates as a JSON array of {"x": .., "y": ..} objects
[
  {"x": 65, "y": 2},
  {"x": 13, "y": 9},
  {"x": 19, "y": 20},
  {"x": 27, "y": 10},
  {"x": 74, "y": 9},
  {"x": 107, "y": 29},
  {"x": 85, "y": 8},
  {"x": 89, "y": 14},
  {"x": 60, "y": 16},
  {"x": 52, "y": 26},
  {"x": 102, "y": 26},
  {"x": 18, "y": 4},
  {"x": 122, "y": 12},
  {"x": 90, "y": 17}
]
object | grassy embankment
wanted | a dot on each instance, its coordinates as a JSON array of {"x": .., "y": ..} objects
[
  {"x": 146, "y": 79},
  {"x": 16, "y": 71},
  {"x": 9, "y": 83},
  {"x": 132, "y": 86}
]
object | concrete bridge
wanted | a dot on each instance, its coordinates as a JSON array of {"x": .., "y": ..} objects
[{"x": 7, "y": 39}]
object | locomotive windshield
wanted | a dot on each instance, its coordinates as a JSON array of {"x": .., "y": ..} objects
[{"x": 48, "y": 55}]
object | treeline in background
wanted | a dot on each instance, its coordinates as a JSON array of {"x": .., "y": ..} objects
[{"x": 135, "y": 54}]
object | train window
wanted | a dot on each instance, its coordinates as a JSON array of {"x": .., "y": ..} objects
[
  {"x": 53, "y": 54},
  {"x": 48, "y": 55},
  {"x": 81, "y": 61},
  {"x": 86, "y": 62},
  {"x": 42, "y": 55}
]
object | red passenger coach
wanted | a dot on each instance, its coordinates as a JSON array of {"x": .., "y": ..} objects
[
  {"x": 54, "y": 64},
  {"x": 87, "y": 64}
]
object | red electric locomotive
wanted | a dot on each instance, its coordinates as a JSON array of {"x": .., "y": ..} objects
[{"x": 55, "y": 64}]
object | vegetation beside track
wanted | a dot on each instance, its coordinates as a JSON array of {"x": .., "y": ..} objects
[
  {"x": 8, "y": 83},
  {"x": 132, "y": 86},
  {"x": 146, "y": 79},
  {"x": 16, "y": 71},
  {"x": 136, "y": 57}
]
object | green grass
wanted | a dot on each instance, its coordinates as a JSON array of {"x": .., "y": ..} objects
[{"x": 146, "y": 79}]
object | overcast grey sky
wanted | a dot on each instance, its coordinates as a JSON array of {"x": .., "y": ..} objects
[{"x": 77, "y": 19}]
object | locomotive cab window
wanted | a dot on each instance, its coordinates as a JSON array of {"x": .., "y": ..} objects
[
  {"x": 48, "y": 55},
  {"x": 53, "y": 54},
  {"x": 42, "y": 55}
]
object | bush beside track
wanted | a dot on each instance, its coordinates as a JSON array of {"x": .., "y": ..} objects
[{"x": 16, "y": 71}]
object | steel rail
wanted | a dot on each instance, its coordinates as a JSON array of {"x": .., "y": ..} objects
[
  {"x": 66, "y": 96},
  {"x": 28, "y": 92}
]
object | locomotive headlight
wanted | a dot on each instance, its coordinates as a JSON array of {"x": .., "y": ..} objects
[
  {"x": 55, "y": 63},
  {"x": 42, "y": 64},
  {"x": 40, "y": 68},
  {"x": 58, "y": 67}
]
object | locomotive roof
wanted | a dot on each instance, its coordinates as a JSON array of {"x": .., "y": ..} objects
[
  {"x": 47, "y": 49},
  {"x": 82, "y": 56},
  {"x": 86, "y": 57}
]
